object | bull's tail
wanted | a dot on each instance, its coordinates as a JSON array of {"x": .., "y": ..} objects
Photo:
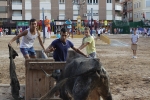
[{"x": 51, "y": 92}]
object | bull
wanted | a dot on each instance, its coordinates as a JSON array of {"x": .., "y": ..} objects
[{"x": 82, "y": 79}]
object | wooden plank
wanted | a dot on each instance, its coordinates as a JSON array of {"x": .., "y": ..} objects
[
  {"x": 46, "y": 65},
  {"x": 28, "y": 83},
  {"x": 41, "y": 81},
  {"x": 46, "y": 99},
  {"x": 35, "y": 84}
]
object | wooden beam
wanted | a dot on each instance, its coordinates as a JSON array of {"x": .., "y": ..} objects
[{"x": 46, "y": 65}]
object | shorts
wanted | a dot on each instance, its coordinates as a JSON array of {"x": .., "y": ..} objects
[
  {"x": 134, "y": 46},
  {"x": 92, "y": 55},
  {"x": 28, "y": 51},
  {"x": 69, "y": 30}
]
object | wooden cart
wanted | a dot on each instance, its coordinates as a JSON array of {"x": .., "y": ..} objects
[{"x": 37, "y": 84}]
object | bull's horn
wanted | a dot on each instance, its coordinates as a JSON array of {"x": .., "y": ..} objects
[{"x": 47, "y": 75}]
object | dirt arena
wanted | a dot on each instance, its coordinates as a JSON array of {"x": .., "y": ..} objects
[{"x": 129, "y": 78}]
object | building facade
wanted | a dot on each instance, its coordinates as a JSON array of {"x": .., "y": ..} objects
[
  {"x": 127, "y": 12},
  {"x": 141, "y": 10},
  {"x": 5, "y": 11},
  {"x": 63, "y": 9}
]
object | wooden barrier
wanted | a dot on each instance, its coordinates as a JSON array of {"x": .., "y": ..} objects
[
  {"x": 37, "y": 84},
  {"x": 105, "y": 39}
]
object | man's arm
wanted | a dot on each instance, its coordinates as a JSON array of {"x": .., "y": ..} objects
[
  {"x": 83, "y": 45},
  {"x": 78, "y": 51},
  {"x": 18, "y": 36},
  {"x": 50, "y": 49}
]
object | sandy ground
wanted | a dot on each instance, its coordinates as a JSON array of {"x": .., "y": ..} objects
[{"x": 129, "y": 78}]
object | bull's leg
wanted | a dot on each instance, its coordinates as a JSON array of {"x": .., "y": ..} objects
[
  {"x": 104, "y": 89},
  {"x": 64, "y": 94}
]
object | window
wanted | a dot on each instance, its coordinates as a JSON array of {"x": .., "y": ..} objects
[
  {"x": 95, "y": 1},
  {"x": 134, "y": 6},
  {"x": 109, "y": 12},
  {"x": 92, "y": 1},
  {"x": 61, "y": 1},
  {"x": 109, "y": 1},
  {"x": 89, "y": 1},
  {"x": 147, "y": 3},
  {"x": 139, "y": 4},
  {"x": 130, "y": 14},
  {"x": 75, "y": 1},
  {"x": 147, "y": 15},
  {"x": 3, "y": 9},
  {"x": 134, "y": 15}
]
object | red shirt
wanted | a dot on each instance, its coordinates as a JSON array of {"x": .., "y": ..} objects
[{"x": 1, "y": 29}]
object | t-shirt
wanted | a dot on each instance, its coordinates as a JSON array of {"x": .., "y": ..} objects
[
  {"x": 68, "y": 22},
  {"x": 134, "y": 38},
  {"x": 61, "y": 51},
  {"x": 47, "y": 22},
  {"x": 90, "y": 48}
]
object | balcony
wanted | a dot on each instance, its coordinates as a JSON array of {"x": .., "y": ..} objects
[
  {"x": 118, "y": 7},
  {"x": 16, "y": 17},
  {"x": 118, "y": 17},
  {"x": 16, "y": 6},
  {"x": 3, "y": 3},
  {"x": 3, "y": 15}
]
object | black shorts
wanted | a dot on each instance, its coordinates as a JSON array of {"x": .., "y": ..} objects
[{"x": 98, "y": 35}]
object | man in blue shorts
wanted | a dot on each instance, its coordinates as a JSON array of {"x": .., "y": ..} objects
[{"x": 28, "y": 38}]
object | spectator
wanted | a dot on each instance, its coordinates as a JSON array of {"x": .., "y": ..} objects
[
  {"x": 134, "y": 40},
  {"x": 69, "y": 27}
]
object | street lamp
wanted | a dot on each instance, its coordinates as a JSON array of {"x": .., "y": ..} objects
[{"x": 80, "y": 3}]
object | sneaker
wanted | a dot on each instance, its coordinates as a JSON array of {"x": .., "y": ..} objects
[{"x": 132, "y": 56}]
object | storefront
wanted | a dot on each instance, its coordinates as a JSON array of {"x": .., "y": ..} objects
[{"x": 23, "y": 24}]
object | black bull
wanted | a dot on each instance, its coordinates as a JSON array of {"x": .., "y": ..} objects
[{"x": 82, "y": 79}]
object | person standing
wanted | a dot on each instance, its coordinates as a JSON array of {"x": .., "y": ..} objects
[
  {"x": 28, "y": 37},
  {"x": 69, "y": 27},
  {"x": 1, "y": 31},
  {"x": 134, "y": 41},
  {"x": 88, "y": 42},
  {"x": 18, "y": 39},
  {"x": 6, "y": 30},
  {"x": 47, "y": 27}
]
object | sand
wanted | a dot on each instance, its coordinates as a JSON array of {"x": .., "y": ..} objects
[{"x": 129, "y": 78}]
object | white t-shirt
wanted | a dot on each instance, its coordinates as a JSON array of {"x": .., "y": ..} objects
[
  {"x": 99, "y": 31},
  {"x": 134, "y": 38},
  {"x": 28, "y": 40}
]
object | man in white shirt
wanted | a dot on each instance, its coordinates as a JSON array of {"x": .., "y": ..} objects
[{"x": 134, "y": 40}]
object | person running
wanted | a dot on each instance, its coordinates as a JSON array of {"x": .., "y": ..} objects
[
  {"x": 18, "y": 39},
  {"x": 134, "y": 40},
  {"x": 1, "y": 31},
  {"x": 28, "y": 37},
  {"x": 88, "y": 42},
  {"x": 69, "y": 27}
]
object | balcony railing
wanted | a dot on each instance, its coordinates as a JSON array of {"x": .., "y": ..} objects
[
  {"x": 3, "y": 3},
  {"x": 3, "y": 15},
  {"x": 16, "y": 17},
  {"x": 118, "y": 6}
]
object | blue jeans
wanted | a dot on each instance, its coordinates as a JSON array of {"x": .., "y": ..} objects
[
  {"x": 28, "y": 51},
  {"x": 92, "y": 55}
]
